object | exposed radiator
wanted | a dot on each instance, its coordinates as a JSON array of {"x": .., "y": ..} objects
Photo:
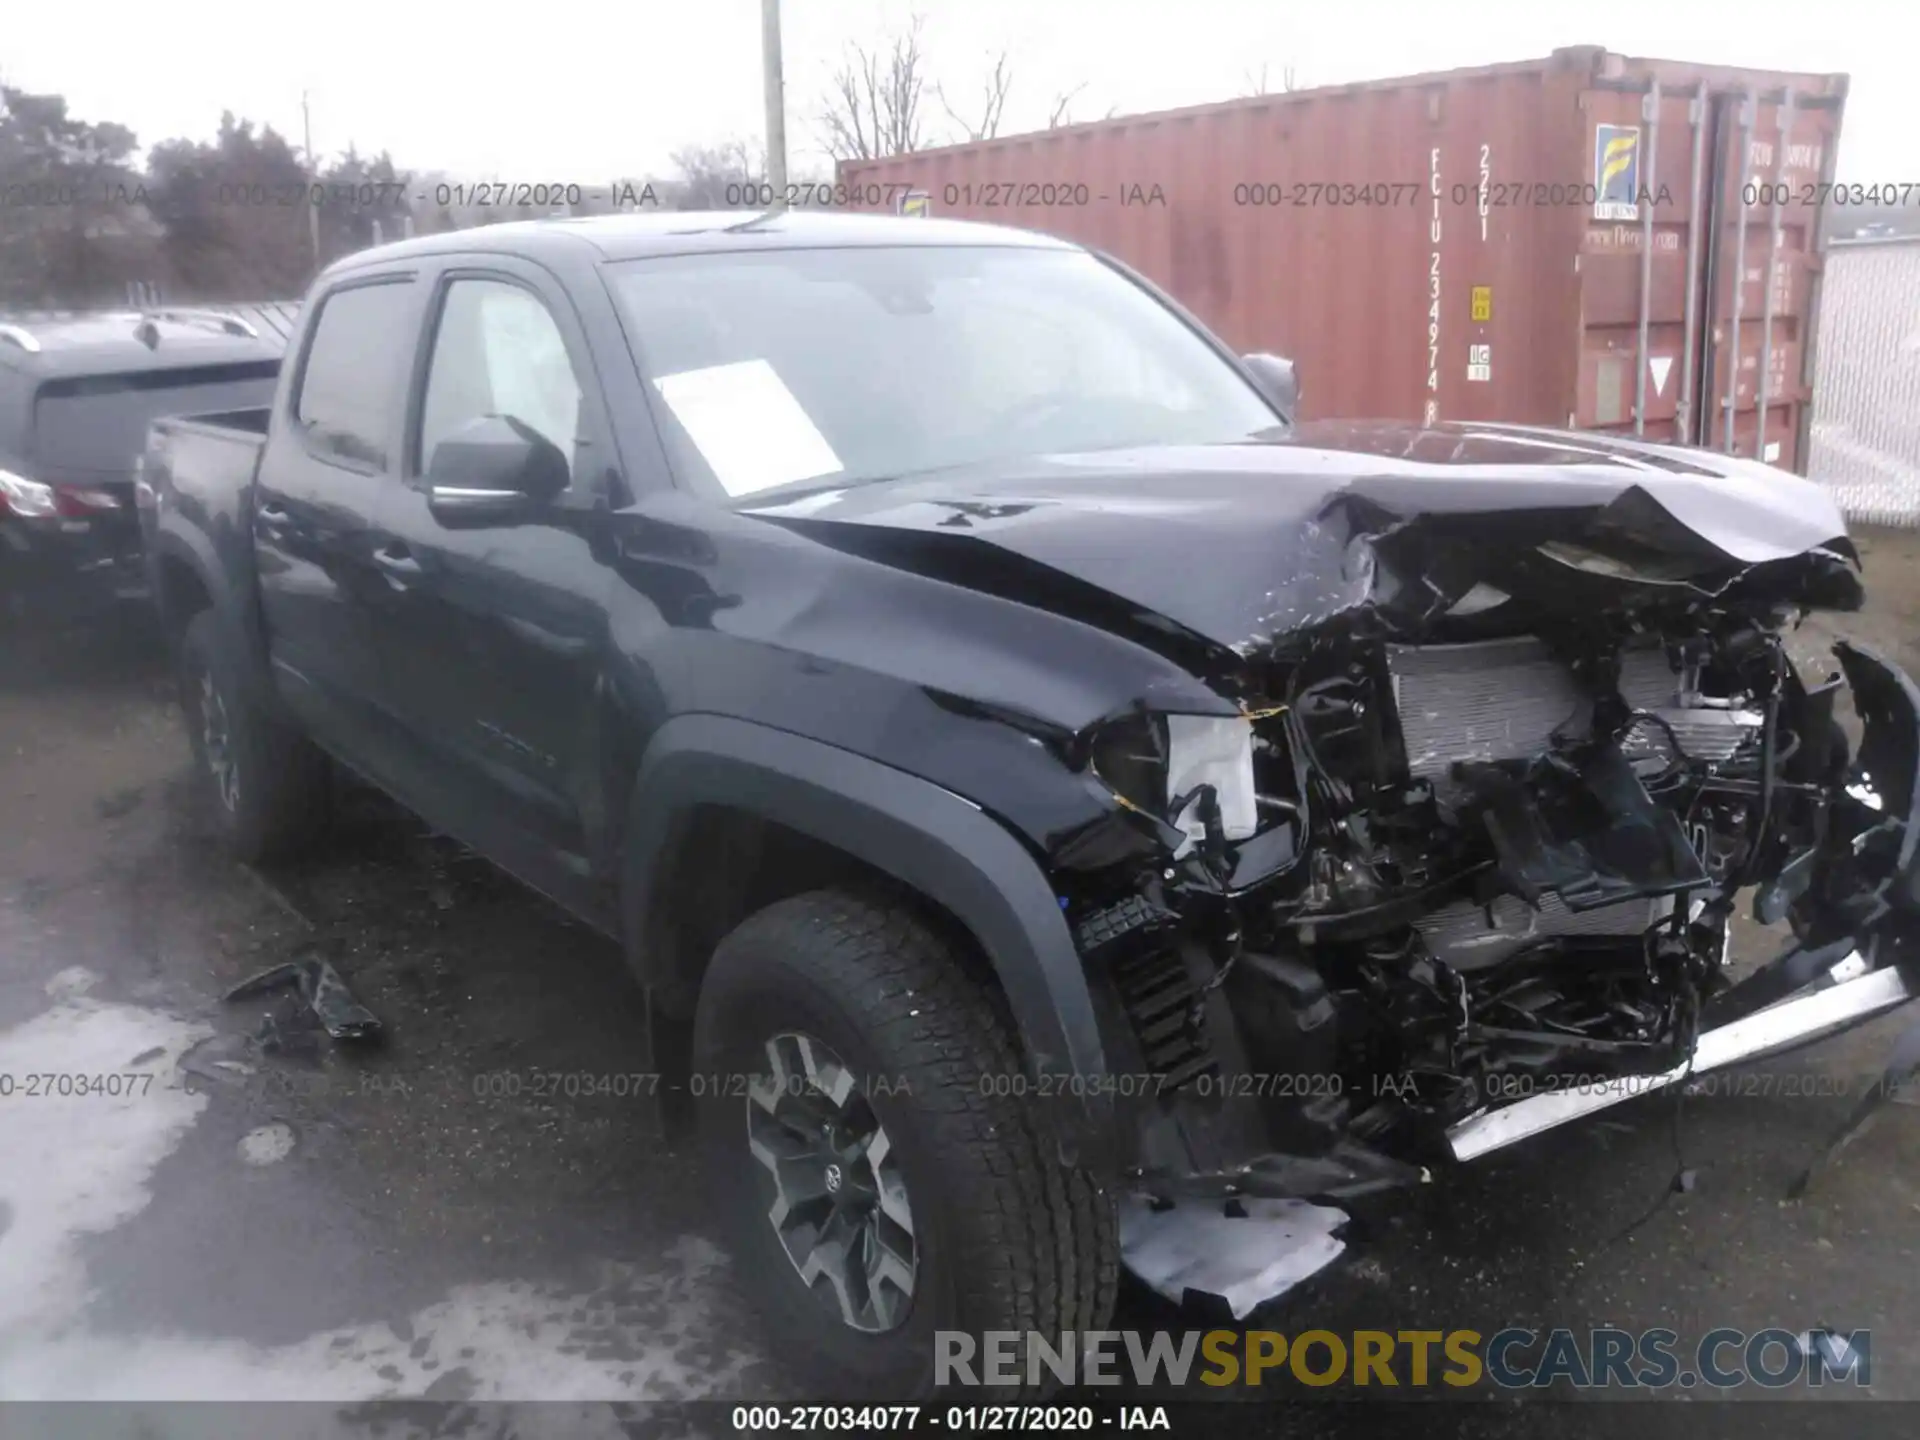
[{"x": 1504, "y": 699}]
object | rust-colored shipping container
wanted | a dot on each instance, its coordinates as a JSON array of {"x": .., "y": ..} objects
[{"x": 1590, "y": 240}]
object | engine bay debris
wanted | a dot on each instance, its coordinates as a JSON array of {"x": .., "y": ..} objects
[{"x": 1474, "y": 819}]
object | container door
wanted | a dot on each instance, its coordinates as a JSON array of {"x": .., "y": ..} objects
[
  {"x": 1641, "y": 149},
  {"x": 1770, "y": 184}
]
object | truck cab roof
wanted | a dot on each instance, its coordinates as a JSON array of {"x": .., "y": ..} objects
[{"x": 638, "y": 235}]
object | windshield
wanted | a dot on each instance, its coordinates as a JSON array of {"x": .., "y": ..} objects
[{"x": 840, "y": 366}]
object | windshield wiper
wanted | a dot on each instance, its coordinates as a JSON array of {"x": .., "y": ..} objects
[{"x": 785, "y": 494}]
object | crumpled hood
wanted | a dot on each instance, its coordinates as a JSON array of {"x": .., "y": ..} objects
[{"x": 1247, "y": 542}]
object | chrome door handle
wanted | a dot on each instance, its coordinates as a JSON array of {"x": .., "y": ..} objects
[{"x": 399, "y": 566}]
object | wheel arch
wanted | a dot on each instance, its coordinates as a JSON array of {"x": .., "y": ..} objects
[
  {"x": 186, "y": 579},
  {"x": 933, "y": 842},
  {"x": 188, "y": 572}
]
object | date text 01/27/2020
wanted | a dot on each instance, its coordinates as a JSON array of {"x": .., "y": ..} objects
[{"x": 953, "y": 1420}]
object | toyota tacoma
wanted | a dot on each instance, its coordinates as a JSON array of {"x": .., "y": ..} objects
[{"x": 1025, "y": 767}]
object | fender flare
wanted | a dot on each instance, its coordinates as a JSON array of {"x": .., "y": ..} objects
[
  {"x": 191, "y": 548},
  {"x": 236, "y": 608},
  {"x": 929, "y": 838}
]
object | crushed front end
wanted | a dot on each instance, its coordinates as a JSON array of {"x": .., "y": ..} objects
[{"x": 1462, "y": 867}]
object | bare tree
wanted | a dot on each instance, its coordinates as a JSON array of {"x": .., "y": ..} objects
[
  {"x": 873, "y": 100},
  {"x": 1063, "y": 107},
  {"x": 1257, "y": 84},
  {"x": 716, "y": 177},
  {"x": 998, "y": 83}
]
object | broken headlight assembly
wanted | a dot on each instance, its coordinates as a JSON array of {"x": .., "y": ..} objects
[{"x": 1204, "y": 781}]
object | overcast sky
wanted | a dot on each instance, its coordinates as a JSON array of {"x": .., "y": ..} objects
[{"x": 585, "y": 90}]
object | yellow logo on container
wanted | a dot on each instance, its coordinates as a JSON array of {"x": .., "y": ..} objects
[{"x": 1616, "y": 172}]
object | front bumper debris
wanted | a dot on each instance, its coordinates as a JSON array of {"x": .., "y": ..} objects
[
  {"x": 1849, "y": 883},
  {"x": 1851, "y": 995},
  {"x": 1860, "y": 929}
]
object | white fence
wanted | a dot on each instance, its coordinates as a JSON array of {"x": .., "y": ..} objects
[{"x": 1865, "y": 443}]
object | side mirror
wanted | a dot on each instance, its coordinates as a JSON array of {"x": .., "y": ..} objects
[
  {"x": 1277, "y": 381},
  {"x": 493, "y": 470}
]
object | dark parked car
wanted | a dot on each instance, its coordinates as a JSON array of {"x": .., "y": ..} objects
[
  {"x": 1027, "y": 767},
  {"x": 77, "y": 392}
]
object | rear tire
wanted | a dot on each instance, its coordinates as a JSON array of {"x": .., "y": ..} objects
[
  {"x": 268, "y": 785},
  {"x": 1001, "y": 1237}
]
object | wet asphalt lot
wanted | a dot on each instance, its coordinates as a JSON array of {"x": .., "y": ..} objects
[{"x": 316, "y": 1222}]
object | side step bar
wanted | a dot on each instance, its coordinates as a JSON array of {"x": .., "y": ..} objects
[{"x": 1853, "y": 998}]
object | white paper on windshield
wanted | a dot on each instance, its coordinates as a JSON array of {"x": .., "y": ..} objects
[{"x": 748, "y": 426}]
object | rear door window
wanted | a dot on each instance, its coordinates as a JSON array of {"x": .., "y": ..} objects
[{"x": 350, "y": 389}]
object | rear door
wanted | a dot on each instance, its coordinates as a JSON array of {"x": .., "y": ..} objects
[{"x": 325, "y": 480}]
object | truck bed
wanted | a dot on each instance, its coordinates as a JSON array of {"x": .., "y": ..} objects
[
  {"x": 206, "y": 455},
  {"x": 219, "y": 422},
  {"x": 203, "y": 467}
]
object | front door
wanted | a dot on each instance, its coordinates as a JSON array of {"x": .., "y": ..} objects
[{"x": 497, "y": 631}]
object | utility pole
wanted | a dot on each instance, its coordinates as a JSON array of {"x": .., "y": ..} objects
[
  {"x": 313, "y": 175},
  {"x": 770, "y": 66}
]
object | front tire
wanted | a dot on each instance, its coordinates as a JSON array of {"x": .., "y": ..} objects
[
  {"x": 874, "y": 1187},
  {"x": 269, "y": 786}
]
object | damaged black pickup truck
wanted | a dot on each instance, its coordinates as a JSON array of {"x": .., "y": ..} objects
[{"x": 1021, "y": 764}]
